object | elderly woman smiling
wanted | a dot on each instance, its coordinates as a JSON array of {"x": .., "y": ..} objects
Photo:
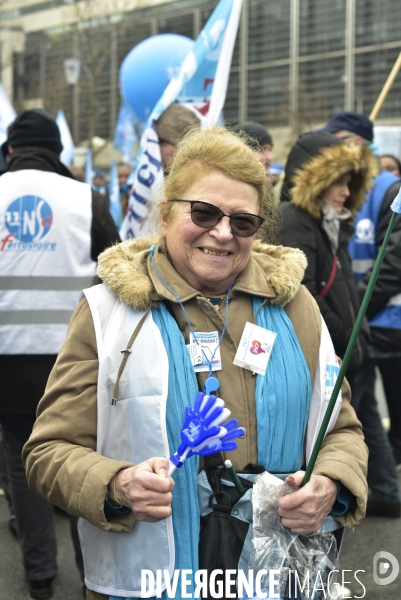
[{"x": 99, "y": 448}]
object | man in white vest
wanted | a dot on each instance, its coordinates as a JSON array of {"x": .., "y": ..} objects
[{"x": 52, "y": 229}]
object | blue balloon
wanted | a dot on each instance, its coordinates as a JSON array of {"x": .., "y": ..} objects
[{"x": 148, "y": 68}]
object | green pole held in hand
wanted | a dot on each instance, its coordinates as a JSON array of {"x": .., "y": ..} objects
[
  {"x": 234, "y": 476},
  {"x": 396, "y": 207}
]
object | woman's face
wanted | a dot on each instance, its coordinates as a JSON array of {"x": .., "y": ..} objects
[
  {"x": 338, "y": 192},
  {"x": 209, "y": 259},
  {"x": 389, "y": 164}
]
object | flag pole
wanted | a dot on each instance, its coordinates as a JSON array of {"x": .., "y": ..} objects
[
  {"x": 386, "y": 88},
  {"x": 350, "y": 347}
]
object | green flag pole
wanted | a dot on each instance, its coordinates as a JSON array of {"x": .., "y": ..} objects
[{"x": 348, "y": 352}]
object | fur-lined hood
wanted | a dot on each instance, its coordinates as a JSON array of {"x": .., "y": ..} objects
[
  {"x": 274, "y": 272},
  {"x": 317, "y": 167}
]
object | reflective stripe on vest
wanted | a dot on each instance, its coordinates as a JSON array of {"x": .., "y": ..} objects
[
  {"x": 361, "y": 266},
  {"x": 45, "y": 244},
  {"x": 362, "y": 246},
  {"x": 45, "y": 283}
]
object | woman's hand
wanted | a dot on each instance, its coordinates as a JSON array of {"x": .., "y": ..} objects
[
  {"x": 145, "y": 489},
  {"x": 305, "y": 510}
]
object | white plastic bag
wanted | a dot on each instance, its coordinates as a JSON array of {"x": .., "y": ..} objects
[{"x": 307, "y": 562}]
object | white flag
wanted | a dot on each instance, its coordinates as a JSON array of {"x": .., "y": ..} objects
[
  {"x": 200, "y": 83},
  {"x": 88, "y": 167},
  {"x": 67, "y": 153},
  {"x": 114, "y": 195},
  {"x": 7, "y": 114}
]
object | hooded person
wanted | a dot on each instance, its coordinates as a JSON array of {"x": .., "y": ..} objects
[
  {"x": 52, "y": 229},
  {"x": 384, "y": 310},
  {"x": 326, "y": 181},
  {"x": 317, "y": 165}
]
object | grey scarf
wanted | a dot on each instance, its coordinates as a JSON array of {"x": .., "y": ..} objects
[{"x": 331, "y": 222}]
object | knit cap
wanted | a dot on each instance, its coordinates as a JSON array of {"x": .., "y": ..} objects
[
  {"x": 350, "y": 120},
  {"x": 34, "y": 127},
  {"x": 257, "y": 134}
]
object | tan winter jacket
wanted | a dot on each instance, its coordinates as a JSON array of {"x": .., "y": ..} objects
[{"x": 60, "y": 456}]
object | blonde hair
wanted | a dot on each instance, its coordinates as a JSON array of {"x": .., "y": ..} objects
[{"x": 217, "y": 148}]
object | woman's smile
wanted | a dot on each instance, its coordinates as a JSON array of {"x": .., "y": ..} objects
[{"x": 215, "y": 252}]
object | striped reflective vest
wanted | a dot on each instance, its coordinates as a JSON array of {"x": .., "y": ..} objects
[
  {"x": 363, "y": 251},
  {"x": 45, "y": 246}
]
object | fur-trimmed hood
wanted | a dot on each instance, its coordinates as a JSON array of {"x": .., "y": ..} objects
[
  {"x": 274, "y": 272},
  {"x": 319, "y": 159}
]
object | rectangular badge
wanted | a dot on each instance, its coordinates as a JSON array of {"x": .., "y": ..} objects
[
  {"x": 207, "y": 342},
  {"x": 255, "y": 348}
]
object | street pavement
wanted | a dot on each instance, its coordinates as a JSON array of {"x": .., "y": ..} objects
[
  {"x": 67, "y": 585},
  {"x": 375, "y": 534}
]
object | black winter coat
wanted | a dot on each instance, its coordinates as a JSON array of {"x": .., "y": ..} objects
[
  {"x": 316, "y": 161},
  {"x": 340, "y": 306}
]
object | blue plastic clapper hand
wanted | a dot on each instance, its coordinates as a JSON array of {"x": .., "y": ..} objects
[{"x": 201, "y": 425}]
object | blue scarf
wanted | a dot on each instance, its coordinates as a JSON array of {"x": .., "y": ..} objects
[
  {"x": 282, "y": 406},
  {"x": 282, "y": 395}
]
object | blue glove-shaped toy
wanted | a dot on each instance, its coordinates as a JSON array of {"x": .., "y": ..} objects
[
  {"x": 204, "y": 431},
  {"x": 221, "y": 444}
]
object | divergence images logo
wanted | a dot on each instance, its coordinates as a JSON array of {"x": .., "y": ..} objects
[
  {"x": 28, "y": 218},
  {"x": 381, "y": 566}
]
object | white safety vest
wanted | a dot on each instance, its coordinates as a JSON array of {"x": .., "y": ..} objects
[
  {"x": 135, "y": 430},
  {"x": 45, "y": 246}
]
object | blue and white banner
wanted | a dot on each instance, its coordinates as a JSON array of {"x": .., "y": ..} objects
[
  {"x": 7, "y": 114},
  {"x": 201, "y": 84},
  {"x": 125, "y": 136},
  {"x": 67, "y": 154},
  {"x": 114, "y": 195},
  {"x": 88, "y": 167}
]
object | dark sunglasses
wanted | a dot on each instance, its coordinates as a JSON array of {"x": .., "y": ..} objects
[{"x": 207, "y": 215}]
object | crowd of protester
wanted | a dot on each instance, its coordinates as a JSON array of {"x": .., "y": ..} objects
[{"x": 333, "y": 196}]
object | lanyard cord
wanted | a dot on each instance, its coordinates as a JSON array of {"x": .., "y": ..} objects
[{"x": 210, "y": 362}]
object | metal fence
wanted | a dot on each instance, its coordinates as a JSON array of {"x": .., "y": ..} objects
[{"x": 295, "y": 61}]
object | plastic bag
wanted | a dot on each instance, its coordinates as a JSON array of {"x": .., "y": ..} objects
[{"x": 306, "y": 564}]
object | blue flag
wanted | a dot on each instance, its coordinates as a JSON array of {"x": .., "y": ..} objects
[
  {"x": 200, "y": 84},
  {"x": 67, "y": 154},
  {"x": 125, "y": 136},
  {"x": 88, "y": 167},
  {"x": 114, "y": 194}
]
